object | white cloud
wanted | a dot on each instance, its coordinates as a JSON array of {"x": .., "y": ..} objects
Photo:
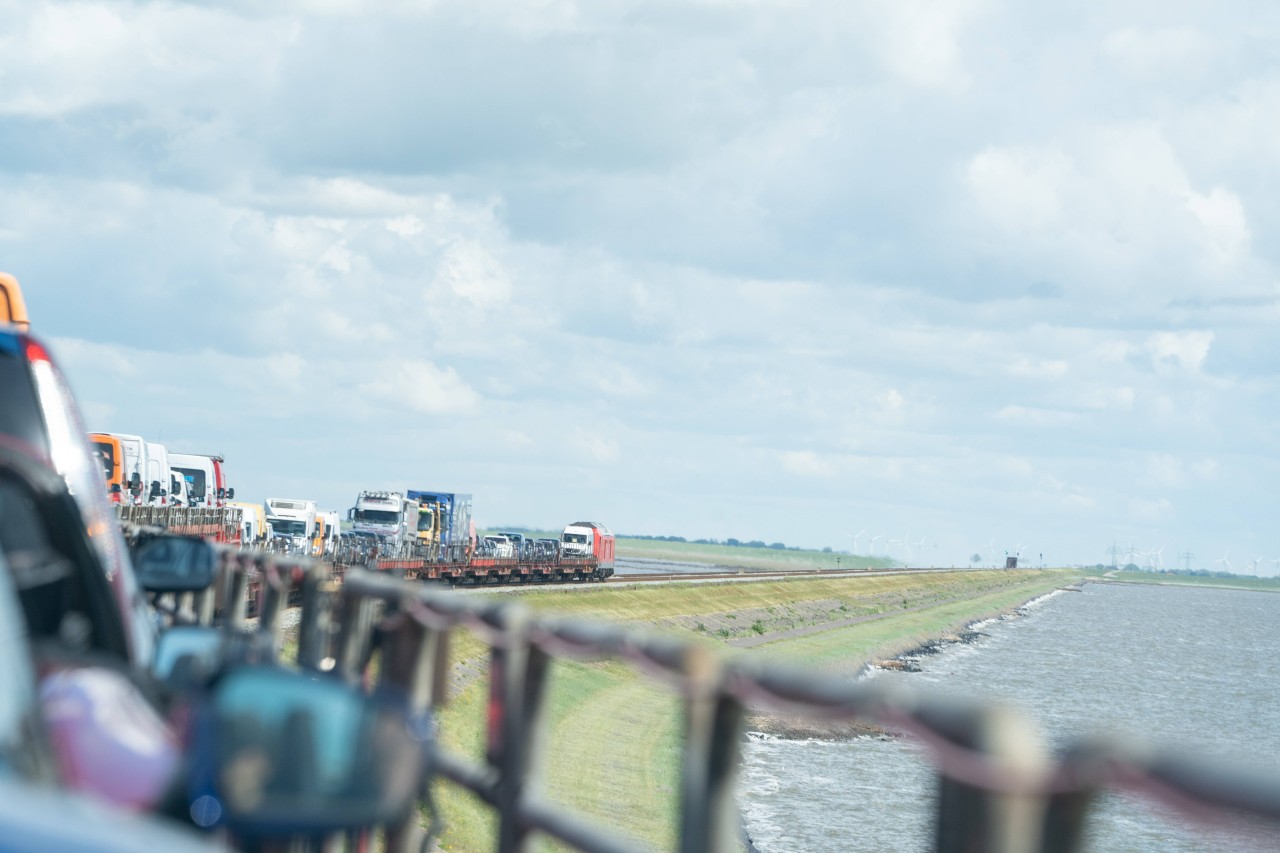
[
  {"x": 1019, "y": 189},
  {"x": 1185, "y": 350},
  {"x": 474, "y": 274},
  {"x": 1151, "y": 510},
  {"x": 972, "y": 282},
  {"x": 1159, "y": 52},
  {"x": 1226, "y": 228},
  {"x": 419, "y": 386},
  {"x": 806, "y": 463},
  {"x": 598, "y": 448},
  {"x": 1030, "y": 416},
  {"x": 920, "y": 40}
]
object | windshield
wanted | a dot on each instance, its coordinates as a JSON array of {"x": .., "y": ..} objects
[
  {"x": 289, "y": 528},
  {"x": 576, "y": 538},
  {"x": 195, "y": 478},
  {"x": 377, "y": 516},
  {"x": 425, "y": 519},
  {"x": 106, "y": 451}
]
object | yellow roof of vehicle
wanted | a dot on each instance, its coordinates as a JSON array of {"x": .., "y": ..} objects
[{"x": 12, "y": 309}]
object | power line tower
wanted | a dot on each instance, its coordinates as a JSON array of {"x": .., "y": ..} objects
[
  {"x": 1185, "y": 557},
  {"x": 1114, "y": 553}
]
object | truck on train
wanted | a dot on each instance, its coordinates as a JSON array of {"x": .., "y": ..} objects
[
  {"x": 136, "y": 470},
  {"x": 389, "y": 518},
  {"x": 293, "y": 524},
  {"x": 444, "y": 531},
  {"x": 205, "y": 477}
]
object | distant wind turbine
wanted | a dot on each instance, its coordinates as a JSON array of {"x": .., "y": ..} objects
[{"x": 1223, "y": 560}]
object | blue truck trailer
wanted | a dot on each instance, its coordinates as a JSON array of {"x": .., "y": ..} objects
[{"x": 444, "y": 525}]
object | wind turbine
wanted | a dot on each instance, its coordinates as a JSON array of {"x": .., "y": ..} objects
[
  {"x": 1256, "y": 560},
  {"x": 903, "y": 541},
  {"x": 855, "y": 539},
  {"x": 1223, "y": 559},
  {"x": 873, "y": 541}
]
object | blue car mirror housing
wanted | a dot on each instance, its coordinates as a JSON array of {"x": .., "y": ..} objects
[{"x": 280, "y": 752}]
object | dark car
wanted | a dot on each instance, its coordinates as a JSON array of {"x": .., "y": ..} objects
[{"x": 39, "y": 419}]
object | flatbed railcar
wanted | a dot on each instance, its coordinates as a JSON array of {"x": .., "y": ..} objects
[{"x": 499, "y": 570}]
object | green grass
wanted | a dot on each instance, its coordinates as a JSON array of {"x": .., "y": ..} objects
[
  {"x": 1234, "y": 582},
  {"x": 611, "y": 731},
  {"x": 745, "y": 558}
]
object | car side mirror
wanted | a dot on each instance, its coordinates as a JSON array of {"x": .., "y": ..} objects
[
  {"x": 231, "y": 494},
  {"x": 189, "y": 654},
  {"x": 169, "y": 563},
  {"x": 282, "y": 753}
]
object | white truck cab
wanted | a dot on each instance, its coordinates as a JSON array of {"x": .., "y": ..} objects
[{"x": 293, "y": 520}]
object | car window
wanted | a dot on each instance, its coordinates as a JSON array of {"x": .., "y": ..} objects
[{"x": 19, "y": 407}]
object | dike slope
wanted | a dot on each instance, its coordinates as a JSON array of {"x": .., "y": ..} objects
[{"x": 611, "y": 729}]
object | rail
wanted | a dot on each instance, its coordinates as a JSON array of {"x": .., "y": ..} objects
[{"x": 999, "y": 789}]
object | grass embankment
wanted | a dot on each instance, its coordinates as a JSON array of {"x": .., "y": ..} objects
[
  {"x": 611, "y": 748},
  {"x": 1237, "y": 582},
  {"x": 738, "y": 556}
]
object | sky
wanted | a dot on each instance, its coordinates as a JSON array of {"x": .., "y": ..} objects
[{"x": 966, "y": 276}]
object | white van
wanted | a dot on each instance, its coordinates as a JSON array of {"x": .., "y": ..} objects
[
  {"x": 156, "y": 477},
  {"x": 133, "y": 466}
]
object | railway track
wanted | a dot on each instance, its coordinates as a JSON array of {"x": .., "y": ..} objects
[{"x": 748, "y": 575}]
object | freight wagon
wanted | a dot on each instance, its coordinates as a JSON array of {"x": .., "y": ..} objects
[{"x": 567, "y": 562}]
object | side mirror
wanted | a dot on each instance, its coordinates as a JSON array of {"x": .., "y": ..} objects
[
  {"x": 170, "y": 563},
  {"x": 115, "y": 489},
  {"x": 155, "y": 489},
  {"x": 222, "y": 493},
  {"x": 351, "y": 514},
  {"x": 188, "y": 653},
  {"x": 231, "y": 494},
  {"x": 282, "y": 752}
]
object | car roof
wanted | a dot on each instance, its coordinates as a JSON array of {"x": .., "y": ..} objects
[{"x": 41, "y": 819}]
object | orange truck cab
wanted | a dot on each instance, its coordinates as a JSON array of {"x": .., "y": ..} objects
[
  {"x": 12, "y": 309},
  {"x": 110, "y": 452}
]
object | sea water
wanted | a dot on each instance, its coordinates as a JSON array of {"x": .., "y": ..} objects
[{"x": 1188, "y": 667}]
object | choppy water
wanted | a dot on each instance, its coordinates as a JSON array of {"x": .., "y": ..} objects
[{"x": 1190, "y": 667}]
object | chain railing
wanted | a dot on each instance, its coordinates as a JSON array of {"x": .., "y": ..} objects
[{"x": 999, "y": 790}]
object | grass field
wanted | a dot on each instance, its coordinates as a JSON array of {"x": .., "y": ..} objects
[
  {"x": 1234, "y": 582},
  {"x": 613, "y": 738}
]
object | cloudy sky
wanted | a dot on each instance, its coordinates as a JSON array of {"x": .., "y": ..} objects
[{"x": 976, "y": 272}]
